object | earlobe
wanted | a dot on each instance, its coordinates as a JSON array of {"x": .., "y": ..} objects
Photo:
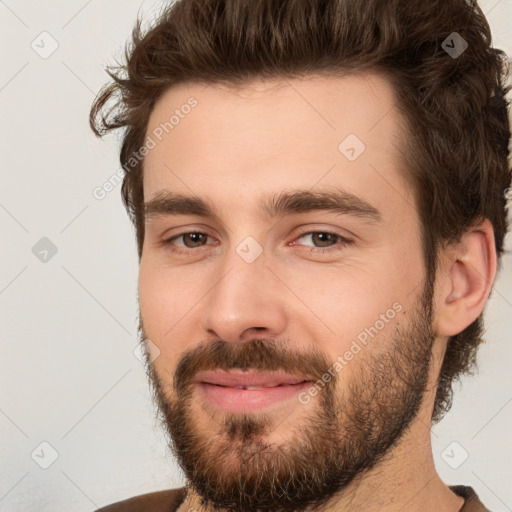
[{"x": 466, "y": 280}]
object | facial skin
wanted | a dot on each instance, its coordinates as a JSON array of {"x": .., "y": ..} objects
[{"x": 362, "y": 442}]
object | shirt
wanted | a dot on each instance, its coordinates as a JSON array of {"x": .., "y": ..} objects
[{"x": 171, "y": 499}]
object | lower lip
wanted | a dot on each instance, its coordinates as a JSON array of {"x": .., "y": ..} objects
[{"x": 244, "y": 400}]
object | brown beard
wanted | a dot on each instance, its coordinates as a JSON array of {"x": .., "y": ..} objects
[{"x": 350, "y": 430}]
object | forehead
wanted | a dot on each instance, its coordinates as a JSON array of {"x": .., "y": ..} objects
[{"x": 269, "y": 135}]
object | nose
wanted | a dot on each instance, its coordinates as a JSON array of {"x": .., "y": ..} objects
[{"x": 246, "y": 300}]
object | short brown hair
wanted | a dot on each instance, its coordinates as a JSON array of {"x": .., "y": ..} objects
[{"x": 458, "y": 130}]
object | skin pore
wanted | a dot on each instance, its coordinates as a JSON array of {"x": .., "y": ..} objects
[{"x": 363, "y": 442}]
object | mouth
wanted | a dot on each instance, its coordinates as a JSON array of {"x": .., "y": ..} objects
[
  {"x": 249, "y": 380},
  {"x": 244, "y": 392},
  {"x": 253, "y": 387}
]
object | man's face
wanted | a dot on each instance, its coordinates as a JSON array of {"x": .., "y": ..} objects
[{"x": 332, "y": 296}]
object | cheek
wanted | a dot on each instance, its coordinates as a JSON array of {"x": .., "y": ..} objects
[
  {"x": 358, "y": 302},
  {"x": 164, "y": 309},
  {"x": 164, "y": 299},
  {"x": 329, "y": 288}
]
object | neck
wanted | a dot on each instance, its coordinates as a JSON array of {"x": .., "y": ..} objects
[{"x": 404, "y": 480}]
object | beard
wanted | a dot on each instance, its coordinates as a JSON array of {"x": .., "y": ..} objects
[{"x": 351, "y": 424}]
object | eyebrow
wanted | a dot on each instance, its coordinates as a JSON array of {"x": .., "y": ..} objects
[{"x": 167, "y": 203}]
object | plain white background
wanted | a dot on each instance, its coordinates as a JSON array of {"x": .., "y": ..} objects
[{"x": 68, "y": 376}]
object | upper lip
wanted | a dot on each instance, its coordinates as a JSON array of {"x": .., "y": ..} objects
[{"x": 234, "y": 379}]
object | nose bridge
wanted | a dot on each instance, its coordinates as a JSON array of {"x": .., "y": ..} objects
[{"x": 244, "y": 295}]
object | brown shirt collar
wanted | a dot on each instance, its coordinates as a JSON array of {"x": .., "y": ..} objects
[{"x": 170, "y": 500}]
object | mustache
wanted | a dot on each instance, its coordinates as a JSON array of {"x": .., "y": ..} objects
[{"x": 256, "y": 354}]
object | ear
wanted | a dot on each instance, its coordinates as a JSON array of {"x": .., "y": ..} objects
[{"x": 465, "y": 276}]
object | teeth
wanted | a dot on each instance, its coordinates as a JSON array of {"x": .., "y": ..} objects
[
  {"x": 253, "y": 387},
  {"x": 242, "y": 387}
]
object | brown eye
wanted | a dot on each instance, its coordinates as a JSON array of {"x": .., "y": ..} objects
[
  {"x": 325, "y": 239},
  {"x": 192, "y": 241},
  {"x": 194, "y": 238}
]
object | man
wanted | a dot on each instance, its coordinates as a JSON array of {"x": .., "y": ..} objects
[{"x": 318, "y": 189}]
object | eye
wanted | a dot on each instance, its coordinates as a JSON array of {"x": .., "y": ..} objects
[
  {"x": 328, "y": 241},
  {"x": 192, "y": 240}
]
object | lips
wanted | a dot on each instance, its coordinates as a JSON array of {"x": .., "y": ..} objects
[{"x": 248, "y": 380}]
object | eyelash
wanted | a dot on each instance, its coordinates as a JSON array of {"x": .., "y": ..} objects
[{"x": 342, "y": 240}]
